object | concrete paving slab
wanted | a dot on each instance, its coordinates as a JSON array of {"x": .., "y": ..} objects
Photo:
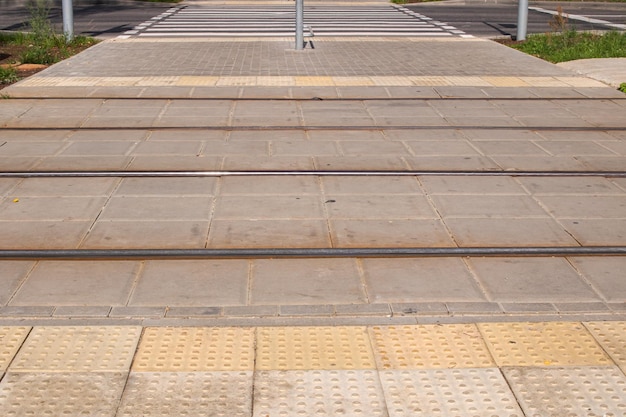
[
  {"x": 509, "y": 232},
  {"x": 269, "y": 233},
  {"x": 596, "y": 231},
  {"x": 142, "y": 234},
  {"x": 192, "y": 283},
  {"x": 531, "y": 280},
  {"x": 304, "y": 281},
  {"x": 68, "y": 283},
  {"x": 42, "y": 234},
  {"x": 419, "y": 280},
  {"x": 356, "y": 233},
  {"x": 603, "y": 275},
  {"x": 146, "y": 208}
]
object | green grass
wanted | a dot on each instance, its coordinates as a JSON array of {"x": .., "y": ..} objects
[
  {"x": 8, "y": 75},
  {"x": 570, "y": 45}
]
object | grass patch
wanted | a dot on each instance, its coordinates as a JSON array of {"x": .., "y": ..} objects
[
  {"x": 570, "y": 45},
  {"x": 8, "y": 75}
]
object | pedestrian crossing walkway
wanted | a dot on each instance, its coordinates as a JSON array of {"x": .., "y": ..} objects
[{"x": 279, "y": 21}]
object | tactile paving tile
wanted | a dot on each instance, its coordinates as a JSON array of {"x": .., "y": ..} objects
[
  {"x": 291, "y": 348},
  {"x": 186, "y": 349},
  {"x": 612, "y": 337},
  {"x": 542, "y": 344},
  {"x": 77, "y": 349},
  {"x": 430, "y": 347},
  {"x": 195, "y": 394},
  {"x": 318, "y": 393},
  {"x": 572, "y": 391},
  {"x": 448, "y": 393},
  {"x": 61, "y": 394},
  {"x": 11, "y": 338}
]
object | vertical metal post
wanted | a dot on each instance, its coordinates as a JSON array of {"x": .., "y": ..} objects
[
  {"x": 299, "y": 24},
  {"x": 522, "y": 20},
  {"x": 68, "y": 20}
]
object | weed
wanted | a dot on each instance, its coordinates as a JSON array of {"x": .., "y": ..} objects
[
  {"x": 622, "y": 87},
  {"x": 39, "y": 24},
  {"x": 558, "y": 23}
]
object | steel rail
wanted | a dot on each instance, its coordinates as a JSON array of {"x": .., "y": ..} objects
[
  {"x": 431, "y": 98},
  {"x": 207, "y": 253},
  {"x": 315, "y": 128},
  {"x": 318, "y": 173}
]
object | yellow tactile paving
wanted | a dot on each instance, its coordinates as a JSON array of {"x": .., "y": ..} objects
[
  {"x": 236, "y": 81},
  {"x": 352, "y": 81},
  {"x": 542, "y": 344},
  {"x": 77, "y": 349},
  {"x": 612, "y": 337},
  {"x": 506, "y": 81},
  {"x": 189, "y": 80},
  {"x": 11, "y": 339},
  {"x": 314, "y": 348},
  {"x": 314, "y": 81},
  {"x": 158, "y": 81},
  {"x": 430, "y": 347},
  {"x": 391, "y": 81},
  {"x": 185, "y": 349},
  {"x": 432, "y": 81},
  {"x": 120, "y": 81},
  {"x": 267, "y": 81}
]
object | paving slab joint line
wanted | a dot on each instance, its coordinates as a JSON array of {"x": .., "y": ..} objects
[{"x": 288, "y": 315}]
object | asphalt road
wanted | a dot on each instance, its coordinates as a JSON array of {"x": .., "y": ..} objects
[
  {"x": 492, "y": 20},
  {"x": 99, "y": 20}
]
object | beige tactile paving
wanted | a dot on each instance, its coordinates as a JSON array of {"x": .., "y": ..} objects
[
  {"x": 429, "y": 347},
  {"x": 318, "y": 393},
  {"x": 77, "y": 349},
  {"x": 542, "y": 344},
  {"x": 11, "y": 339},
  {"x": 313, "y": 348},
  {"x": 611, "y": 335},
  {"x": 448, "y": 393},
  {"x": 185, "y": 349},
  {"x": 61, "y": 394},
  {"x": 196, "y": 394},
  {"x": 572, "y": 391}
]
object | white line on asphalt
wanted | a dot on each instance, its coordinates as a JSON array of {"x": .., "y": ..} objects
[{"x": 581, "y": 18}]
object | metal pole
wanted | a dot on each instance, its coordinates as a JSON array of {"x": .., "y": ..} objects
[
  {"x": 522, "y": 20},
  {"x": 68, "y": 20},
  {"x": 299, "y": 24}
]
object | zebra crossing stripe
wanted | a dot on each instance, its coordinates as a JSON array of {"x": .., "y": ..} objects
[{"x": 279, "y": 21}]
